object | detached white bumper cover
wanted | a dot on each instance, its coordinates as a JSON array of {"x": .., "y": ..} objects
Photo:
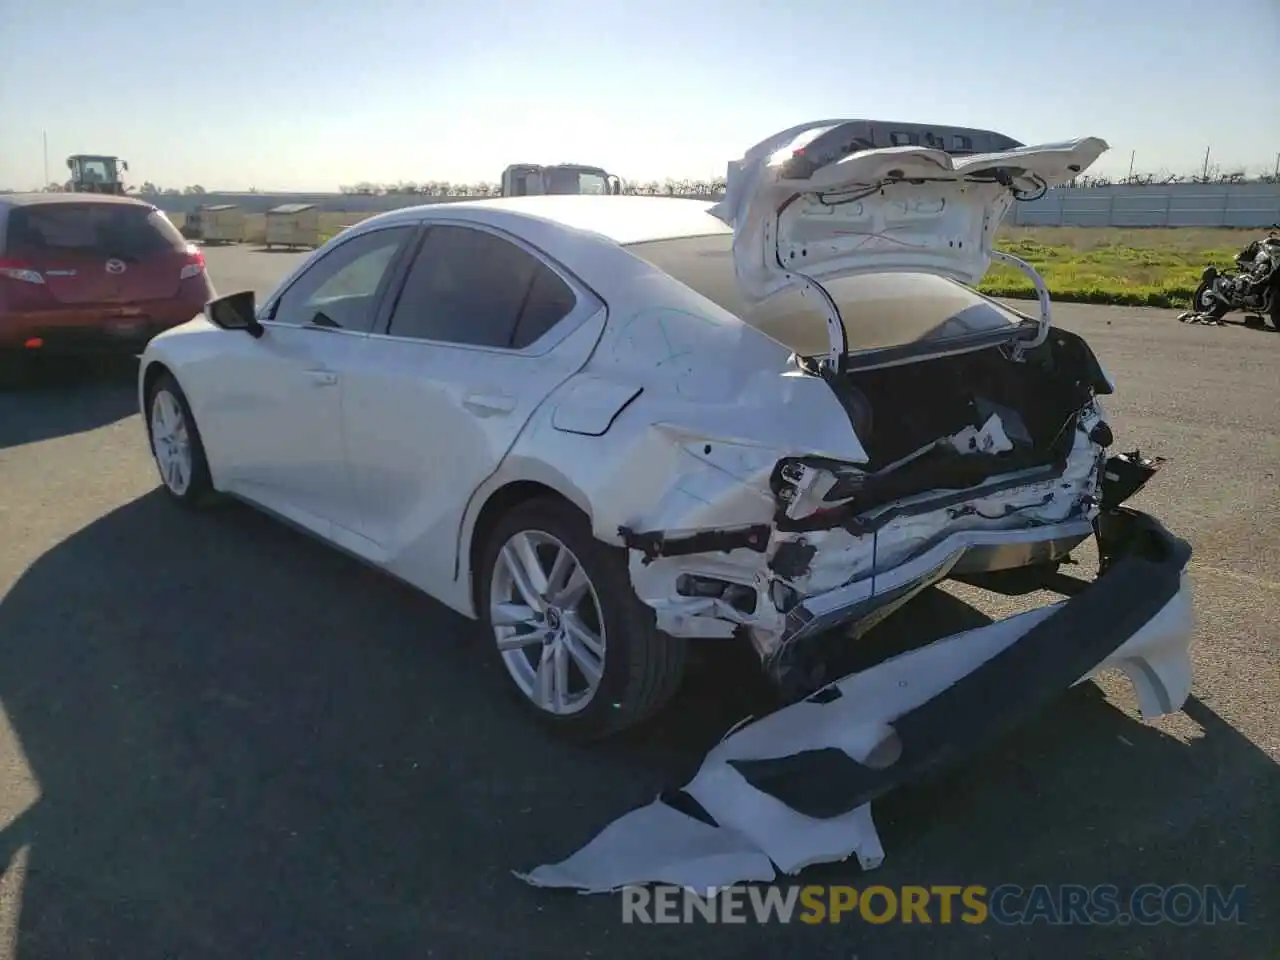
[{"x": 795, "y": 787}]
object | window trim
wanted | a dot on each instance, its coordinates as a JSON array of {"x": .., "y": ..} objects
[
  {"x": 392, "y": 276},
  {"x": 586, "y": 302}
]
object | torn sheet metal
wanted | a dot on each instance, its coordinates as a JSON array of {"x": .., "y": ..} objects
[{"x": 794, "y": 788}]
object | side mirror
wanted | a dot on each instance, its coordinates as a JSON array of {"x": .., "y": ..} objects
[
  {"x": 125, "y": 164},
  {"x": 235, "y": 311}
]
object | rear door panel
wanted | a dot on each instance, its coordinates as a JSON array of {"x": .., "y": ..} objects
[{"x": 428, "y": 420}]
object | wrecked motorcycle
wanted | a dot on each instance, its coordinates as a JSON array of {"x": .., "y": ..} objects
[{"x": 1253, "y": 287}]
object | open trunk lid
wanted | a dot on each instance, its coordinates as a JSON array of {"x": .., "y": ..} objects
[{"x": 816, "y": 203}]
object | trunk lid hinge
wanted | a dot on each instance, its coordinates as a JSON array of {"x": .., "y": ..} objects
[
  {"x": 837, "y": 337},
  {"x": 1042, "y": 295}
]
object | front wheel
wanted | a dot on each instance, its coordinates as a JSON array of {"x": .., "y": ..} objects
[
  {"x": 176, "y": 445},
  {"x": 579, "y": 647},
  {"x": 1204, "y": 303}
]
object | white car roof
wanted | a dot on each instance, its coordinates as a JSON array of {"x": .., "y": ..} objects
[{"x": 622, "y": 219}]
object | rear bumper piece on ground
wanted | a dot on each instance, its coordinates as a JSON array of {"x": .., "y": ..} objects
[{"x": 795, "y": 787}]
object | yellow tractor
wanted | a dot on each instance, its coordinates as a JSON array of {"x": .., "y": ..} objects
[{"x": 95, "y": 173}]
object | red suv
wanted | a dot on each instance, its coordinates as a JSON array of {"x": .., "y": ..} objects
[{"x": 83, "y": 273}]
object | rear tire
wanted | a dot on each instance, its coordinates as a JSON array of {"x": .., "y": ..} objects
[
  {"x": 585, "y": 624},
  {"x": 176, "y": 446}
]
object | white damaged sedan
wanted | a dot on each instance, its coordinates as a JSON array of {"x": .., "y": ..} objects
[{"x": 610, "y": 427}]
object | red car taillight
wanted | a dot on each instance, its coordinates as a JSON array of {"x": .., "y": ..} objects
[
  {"x": 194, "y": 265},
  {"x": 20, "y": 271}
]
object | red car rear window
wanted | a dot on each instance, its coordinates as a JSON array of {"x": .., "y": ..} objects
[{"x": 113, "y": 230}]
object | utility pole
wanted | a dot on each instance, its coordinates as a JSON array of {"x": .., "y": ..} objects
[
  {"x": 1132, "y": 154},
  {"x": 1276, "y": 173},
  {"x": 45, "y": 136},
  {"x": 1205, "y": 174}
]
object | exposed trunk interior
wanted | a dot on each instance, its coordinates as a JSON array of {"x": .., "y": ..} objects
[{"x": 905, "y": 415}]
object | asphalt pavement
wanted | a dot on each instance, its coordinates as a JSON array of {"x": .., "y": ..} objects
[{"x": 220, "y": 738}]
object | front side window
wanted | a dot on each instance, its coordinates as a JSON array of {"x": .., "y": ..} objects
[
  {"x": 341, "y": 289},
  {"x": 471, "y": 287}
]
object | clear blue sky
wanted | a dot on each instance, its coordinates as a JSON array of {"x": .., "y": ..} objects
[{"x": 310, "y": 94}]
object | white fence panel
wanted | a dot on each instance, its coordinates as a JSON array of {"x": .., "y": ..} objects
[
  {"x": 1174, "y": 205},
  {"x": 1171, "y": 205}
]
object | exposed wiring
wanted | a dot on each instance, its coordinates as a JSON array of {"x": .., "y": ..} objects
[
  {"x": 869, "y": 191},
  {"x": 1010, "y": 509},
  {"x": 1001, "y": 177}
]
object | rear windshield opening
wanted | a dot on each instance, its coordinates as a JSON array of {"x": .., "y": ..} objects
[
  {"x": 101, "y": 229},
  {"x": 879, "y": 310}
]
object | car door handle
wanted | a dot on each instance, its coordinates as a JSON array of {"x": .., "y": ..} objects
[
  {"x": 322, "y": 378},
  {"x": 489, "y": 404}
]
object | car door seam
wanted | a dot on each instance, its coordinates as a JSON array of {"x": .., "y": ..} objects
[{"x": 515, "y": 439}]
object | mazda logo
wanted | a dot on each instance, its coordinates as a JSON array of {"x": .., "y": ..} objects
[{"x": 116, "y": 266}]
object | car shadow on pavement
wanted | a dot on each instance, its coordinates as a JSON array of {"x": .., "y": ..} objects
[
  {"x": 56, "y": 398},
  {"x": 246, "y": 744}
]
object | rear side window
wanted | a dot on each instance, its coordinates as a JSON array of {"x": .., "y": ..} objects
[
  {"x": 880, "y": 310},
  {"x": 470, "y": 287},
  {"x": 91, "y": 229},
  {"x": 548, "y": 302}
]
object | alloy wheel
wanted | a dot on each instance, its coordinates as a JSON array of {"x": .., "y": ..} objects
[
  {"x": 171, "y": 442},
  {"x": 547, "y": 622}
]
